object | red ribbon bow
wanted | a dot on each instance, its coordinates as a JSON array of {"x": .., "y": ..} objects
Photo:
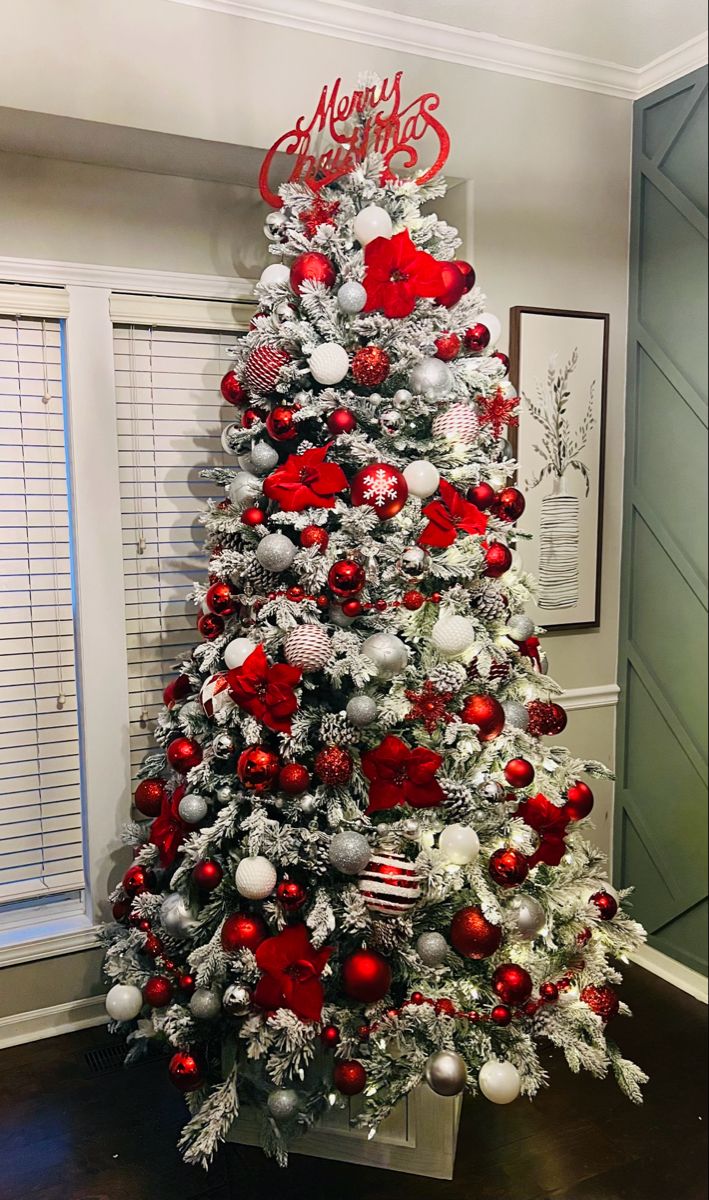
[{"x": 168, "y": 831}]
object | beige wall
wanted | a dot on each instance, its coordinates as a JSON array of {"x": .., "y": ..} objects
[{"x": 550, "y": 168}]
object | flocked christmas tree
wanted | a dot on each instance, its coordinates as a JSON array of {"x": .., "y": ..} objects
[{"x": 364, "y": 865}]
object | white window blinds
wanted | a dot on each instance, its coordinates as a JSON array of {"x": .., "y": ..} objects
[
  {"x": 170, "y": 418},
  {"x": 41, "y": 838}
]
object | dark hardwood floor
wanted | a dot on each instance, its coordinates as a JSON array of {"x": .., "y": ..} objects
[{"x": 69, "y": 1133}]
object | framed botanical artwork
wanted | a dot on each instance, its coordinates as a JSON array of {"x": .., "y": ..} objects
[{"x": 559, "y": 365}]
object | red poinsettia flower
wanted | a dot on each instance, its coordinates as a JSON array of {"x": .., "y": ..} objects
[
  {"x": 399, "y": 775},
  {"x": 305, "y": 481},
  {"x": 449, "y": 514},
  {"x": 398, "y": 274},
  {"x": 551, "y": 823},
  {"x": 168, "y": 831},
  {"x": 264, "y": 691},
  {"x": 291, "y": 968}
]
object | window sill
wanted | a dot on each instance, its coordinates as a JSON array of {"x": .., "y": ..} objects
[{"x": 48, "y": 939}]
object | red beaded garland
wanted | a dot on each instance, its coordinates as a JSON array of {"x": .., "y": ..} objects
[
  {"x": 183, "y": 754},
  {"x": 472, "y": 935},
  {"x": 487, "y": 714},
  {"x": 508, "y": 868},
  {"x": 509, "y": 504},
  {"x": 158, "y": 991},
  {"x": 498, "y": 559},
  {"x": 149, "y": 796},
  {"x": 241, "y": 931},
  {"x": 330, "y": 1036},
  {"x": 370, "y": 366},
  {"x": 232, "y": 390},
  {"x": 448, "y": 346},
  {"x": 334, "y": 766},
  {"x": 312, "y": 267},
  {"x": 346, "y": 579},
  {"x": 350, "y": 1078},
  {"x": 519, "y": 772},
  {"x": 258, "y": 768},
  {"x": 207, "y": 874},
  {"x": 512, "y": 983},
  {"x": 549, "y": 993},
  {"x": 293, "y": 778},
  {"x": 342, "y": 420},
  {"x": 315, "y": 535},
  {"x": 186, "y": 983},
  {"x": 477, "y": 338},
  {"x": 413, "y": 600},
  {"x": 501, "y": 1015},
  {"x": 185, "y": 1071},
  {"x": 579, "y": 801},
  {"x": 352, "y": 608}
]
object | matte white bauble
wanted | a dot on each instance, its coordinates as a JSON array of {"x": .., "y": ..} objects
[
  {"x": 388, "y": 653},
  {"x": 422, "y": 478},
  {"x": 237, "y": 652},
  {"x": 255, "y": 878},
  {"x": 329, "y": 363},
  {"x": 372, "y": 222},
  {"x": 244, "y": 489},
  {"x": 499, "y": 1081},
  {"x": 275, "y": 552},
  {"x": 491, "y": 322},
  {"x": 123, "y": 1002},
  {"x": 275, "y": 273},
  {"x": 459, "y": 845},
  {"x": 509, "y": 391},
  {"x": 192, "y": 809},
  {"x": 352, "y": 298},
  {"x": 453, "y": 635},
  {"x": 431, "y": 378}
]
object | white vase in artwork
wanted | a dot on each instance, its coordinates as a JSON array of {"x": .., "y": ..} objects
[{"x": 559, "y": 549}]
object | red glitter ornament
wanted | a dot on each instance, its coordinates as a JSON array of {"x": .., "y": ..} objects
[
  {"x": 546, "y": 719},
  {"x": 342, "y": 420},
  {"x": 315, "y": 535},
  {"x": 579, "y": 801},
  {"x": 210, "y": 626},
  {"x": 158, "y": 991},
  {"x": 477, "y": 338},
  {"x": 252, "y": 517},
  {"x": 603, "y": 1001},
  {"x": 293, "y": 778},
  {"x": 220, "y": 600},
  {"x": 312, "y": 267},
  {"x": 232, "y": 390},
  {"x": 501, "y": 1015},
  {"x": 241, "y": 931},
  {"x": 334, "y": 766},
  {"x": 487, "y": 714},
  {"x": 149, "y": 796},
  {"x": 472, "y": 935},
  {"x": 448, "y": 346},
  {"x": 185, "y": 1071},
  {"x": 263, "y": 367},
  {"x": 258, "y": 768},
  {"x": 207, "y": 874},
  {"x": 382, "y": 487},
  {"x": 366, "y": 976},
  {"x": 468, "y": 274},
  {"x": 291, "y": 895},
  {"x": 350, "y": 1078},
  {"x": 183, "y": 754},
  {"x": 519, "y": 772},
  {"x": 453, "y": 285},
  {"x": 512, "y": 984},
  {"x": 370, "y": 366},
  {"x": 281, "y": 424},
  {"x": 508, "y": 868},
  {"x": 510, "y": 504},
  {"x": 606, "y": 904},
  {"x": 346, "y": 578},
  {"x": 498, "y": 559},
  {"x": 413, "y": 600}
]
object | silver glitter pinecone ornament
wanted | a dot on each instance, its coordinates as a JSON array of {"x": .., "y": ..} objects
[
  {"x": 488, "y": 601},
  {"x": 349, "y": 852},
  {"x": 236, "y": 1000},
  {"x": 446, "y": 1073},
  {"x": 283, "y": 1105},
  {"x": 361, "y": 711},
  {"x": 275, "y": 552},
  {"x": 432, "y": 949},
  {"x": 205, "y": 1004},
  {"x": 516, "y": 715}
]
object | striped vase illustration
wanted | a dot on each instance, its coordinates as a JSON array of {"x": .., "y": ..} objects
[{"x": 559, "y": 551}]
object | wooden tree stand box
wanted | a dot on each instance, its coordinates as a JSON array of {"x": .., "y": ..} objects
[{"x": 419, "y": 1138}]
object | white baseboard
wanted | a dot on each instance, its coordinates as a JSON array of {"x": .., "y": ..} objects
[
  {"x": 19, "y": 1028},
  {"x": 677, "y": 974}
]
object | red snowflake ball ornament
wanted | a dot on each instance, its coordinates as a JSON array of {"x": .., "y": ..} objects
[
  {"x": 370, "y": 366},
  {"x": 382, "y": 487}
]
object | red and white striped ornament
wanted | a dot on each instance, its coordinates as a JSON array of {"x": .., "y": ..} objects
[
  {"x": 215, "y": 696},
  {"x": 459, "y": 423},
  {"x": 263, "y": 366},
  {"x": 390, "y": 885}
]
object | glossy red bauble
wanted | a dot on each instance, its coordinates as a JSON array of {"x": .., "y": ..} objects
[
  {"x": 352, "y": 608},
  {"x": 137, "y": 880},
  {"x": 330, "y": 1036},
  {"x": 472, "y": 935},
  {"x": 210, "y": 626},
  {"x": 315, "y": 535},
  {"x": 549, "y": 993},
  {"x": 603, "y": 1001},
  {"x": 183, "y": 754},
  {"x": 258, "y": 768},
  {"x": 291, "y": 895},
  {"x": 366, "y": 976},
  {"x": 346, "y": 579},
  {"x": 220, "y": 600},
  {"x": 233, "y": 391},
  {"x": 342, "y": 420},
  {"x": 382, "y": 487},
  {"x": 477, "y": 339},
  {"x": 350, "y": 1078},
  {"x": 334, "y": 766},
  {"x": 448, "y": 346},
  {"x": 149, "y": 796},
  {"x": 487, "y": 714},
  {"x": 519, "y": 773},
  {"x": 512, "y": 984},
  {"x": 482, "y": 496},
  {"x": 120, "y": 909},
  {"x": 252, "y": 517},
  {"x": 501, "y": 1015},
  {"x": 468, "y": 273},
  {"x": 509, "y": 504},
  {"x": 503, "y": 358},
  {"x": 250, "y": 416},
  {"x": 498, "y": 560},
  {"x": 185, "y": 1071},
  {"x": 293, "y": 779},
  {"x": 176, "y": 690},
  {"x": 243, "y": 932},
  {"x": 281, "y": 424},
  {"x": 158, "y": 991},
  {"x": 453, "y": 288},
  {"x": 606, "y": 904},
  {"x": 312, "y": 267},
  {"x": 186, "y": 983},
  {"x": 579, "y": 801},
  {"x": 370, "y": 366},
  {"x": 207, "y": 874},
  {"x": 508, "y": 868}
]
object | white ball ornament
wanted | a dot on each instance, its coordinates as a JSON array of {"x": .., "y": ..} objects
[
  {"x": 371, "y": 223},
  {"x": 352, "y": 298},
  {"x": 422, "y": 478},
  {"x": 175, "y": 916},
  {"x": 491, "y": 322},
  {"x": 124, "y": 1002},
  {"x": 255, "y": 878},
  {"x": 431, "y": 378},
  {"x": 237, "y": 652},
  {"x": 192, "y": 809},
  {"x": 329, "y": 363},
  {"x": 308, "y": 647},
  {"x": 453, "y": 635},
  {"x": 205, "y": 1004},
  {"x": 274, "y": 274},
  {"x": 275, "y": 552},
  {"x": 459, "y": 845},
  {"x": 459, "y": 423},
  {"x": 388, "y": 653},
  {"x": 499, "y": 1081}
]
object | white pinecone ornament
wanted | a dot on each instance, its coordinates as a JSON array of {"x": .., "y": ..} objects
[
  {"x": 459, "y": 423},
  {"x": 215, "y": 697},
  {"x": 390, "y": 885},
  {"x": 308, "y": 647},
  {"x": 263, "y": 366}
]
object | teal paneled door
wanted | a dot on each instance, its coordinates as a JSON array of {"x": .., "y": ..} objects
[{"x": 661, "y": 800}]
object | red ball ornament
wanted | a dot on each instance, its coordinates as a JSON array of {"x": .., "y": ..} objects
[
  {"x": 549, "y": 993},
  {"x": 512, "y": 984},
  {"x": 487, "y": 713},
  {"x": 149, "y": 796},
  {"x": 210, "y": 626},
  {"x": 281, "y": 424},
  {"x": 294, "y": 779},
  {"x": 330, "y": 1036},
  {"x": 232, "y": 390},
  {"x": 137, "y": 880},
  {"x": 342, "y": 420},
  {"x": 498, "y": 559},
  {"x": 448, "y": 346},
  {"x": 366, "y": 976},
  {"x": 382, "y": 487},
  {"x": 334, "y": 766},
  {"x": 606, "y": 904},
  {"x": 350, "y": 1078},
  {"x": 312, "y": 267},
  {"x": 258, "y": 768},
  {"x": 263, "y": 367},
  {"x": 579, "y": 801},
  {"x": 183, "y": 754},
  {"x": 220, "y": 600},
  {"x": 120, "y": 909},
  {"x": 250, "y": 416},
  {"x": 468, "y": 274},
  {"x": 413, "y": 601},
  {"x": 477, "y": 339},
  {"x": 315, "y": 535},
  {"x": 453, "y": 282},
  {"x": 185, "y": 1071},
  {"x": 243, "y": 932},
  {"x": 352, "y": 608},
  {"x": 519, "y": 772},
  {"x": 158, "y": 991},
  {"x": 603, "y": 1001},
  {"x": 558, "y": 719},
  {"x": 295, "y": 593},
  {"x": 503, "y": 359},
  {"x": 252, "y": 517},
  {"x": 207, "y": 874},
  {"x": 482, "y": 496},
  {"x": 472, "y": 935},
  {"x": 510, "y": 504},
  {"x": 501, "y": 1015},
  {"x": 291, "y": 895},
  {"x": 346, "y": 579},
  {"x": 152, "y": 945},
  {"x": 370, "y": 366},
  {"x": 186, "y": 983},
  {"x": 508, "y": 868}
]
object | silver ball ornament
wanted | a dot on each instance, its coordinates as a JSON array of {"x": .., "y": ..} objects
[
  {"x": 223, "y": 745},
  {"x": 492, "y": 791},
  {"x": 414, "y": 563},
  {"x": 263, "y": 458},
  {"x": 283, "y": 1105},
  {"x": 388, "y": 653},
  {"x": 349, "y": 852},
  {"x": 351, "y": 298},
  {"x": 275, "y": 552},
  {"x": 529, "y": 917},
  {"x": 431, "y": 378},
  {"x": 228, "y": 432},
  {"x": 175, "y": 916},
  {"x": 432, "y": 948},
  {"x": 205, "y": 1004},
  {"x": 403, "y": 397},
  {"x": 446, "y": 1073},
  {"x": 520, "y": 627},
  {"x": 192, "y": 809},
  {"x": 516, "y": 715},
  {"x": 236, "y": 1000},
  {"x": 308, "y": 804},
  {"x": 391, "y": 422},
  {"x": 361, "y": 711},
  {"x": 505, "y": 453},
  {"x": 244, "y": 489}
]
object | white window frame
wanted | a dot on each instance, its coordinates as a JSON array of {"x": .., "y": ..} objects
[{"x": 99, "y": 297}]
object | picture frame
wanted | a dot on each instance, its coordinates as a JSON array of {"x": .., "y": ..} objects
[{"x": 559, "y": 366}]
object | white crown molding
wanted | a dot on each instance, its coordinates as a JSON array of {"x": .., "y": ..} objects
[
  {"x": 132, "y": 280},
  {"x": 431, "y": 39},
  {"x": 604, "y": 696},
  {"x": 19, "y": 1028}
]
